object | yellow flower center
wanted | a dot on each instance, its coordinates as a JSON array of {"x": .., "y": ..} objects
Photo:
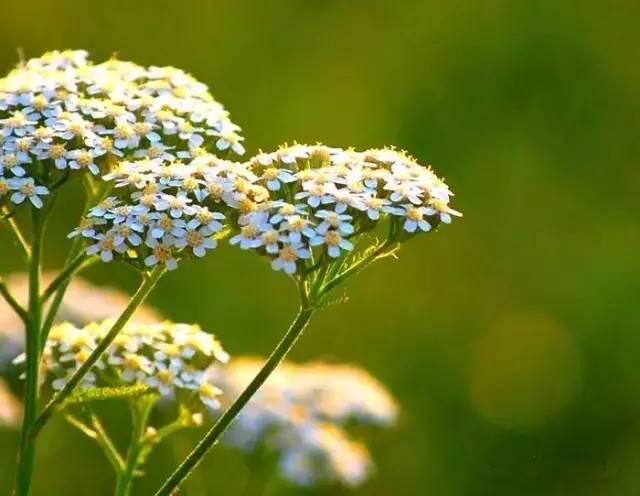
[
  {"x": 56, "y": 152},
  {"x": 77, "y": 128},
  {"x": 123, "y": 131},
  {"x": 106, "y": 143},
  {"x": 39, "y": 102},
  {"x": 414, "y": 214},
  {"x": 246, "y": 206},
  {"x": 288, "y": 254},
  {"x": 107, "y": 244},
  {"x": 208, "y": 391},
  {"x": 204, "y": 216},
  {"x": 141, "y": 128},
  {"x": 194, "y": 238},
  {"x": 332, "y": 238},
  {"x": 165, "y": 376},
  {"x": 215, "y": 190},
  {"x": 84, "y": 159},
  {"x": 23, "y": 144},
  {"x": 162, "y": 253},
  {"x": 190, "y": 183},
  {"x": 27, "y": 189},
  {"x": 296, "y": 223},
  {"x": 270, "y": 237},
  {"x": 270, "y": 173},
  {"x": 82, "y": 356},
  {"x": 166, "y": 222},
  {"x": 249, "y": 231},
  {"x": 133, "y": 362},
  {"x": 10, "y": 160}
]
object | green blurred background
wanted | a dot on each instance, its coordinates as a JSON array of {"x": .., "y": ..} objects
[{"x": 511, "y": 338}]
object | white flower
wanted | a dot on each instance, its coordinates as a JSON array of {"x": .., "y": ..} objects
[
  {"x": 161, "y": 253},
  {"x": 209, "y": 394},
  {"x": 135, "y": 367},
  {"x": 105, "y": 246},
  {"x": 197, "y": 240},
  {"x": 166, "y": 226},
  {"x": 414, "y": 218},
  {"x": 440, "y": 208},
  {"x": 249, "y": 236},
  {"x": 334, "y": 241},
  {"x": 334, "y": 220},
  {"x": 177, "y": 205},
  {"x": 163, "y": 378},
  {"x": 10, "y": 161},
  {"x": 83, "y": 160},
  {"x": 25, "y": 188},
  {"x": 288, "y": 257},
  {"x": 207, "y": 220},
  {"x": 274, "y": 177},
  {"x": 230, "y": 140},
  {"x": 295, "y": 226}
]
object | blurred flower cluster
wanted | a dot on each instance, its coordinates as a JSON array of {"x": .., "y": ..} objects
[
  {"x": 60, "y": 112},
  {"x": 168, "y": 209},
  {"x": 322, "y": 197},
  {"x": 302, "y": 413},
  {"x": 169, "y": 358},
  {"x": 83, "y": 303}
]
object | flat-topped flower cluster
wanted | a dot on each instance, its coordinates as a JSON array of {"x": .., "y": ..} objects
[
  {"x": 302, "y": 412},
  {"x": 300, "y": 205},
  {"x": 167, "y": 210},
  {"x": 325, "y": 197},
  {"x": 169, "y": 358},
  {"x": 60, "y": 112}
]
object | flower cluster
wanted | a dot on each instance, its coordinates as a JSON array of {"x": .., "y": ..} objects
[
  {"x": 302, "y": 412},
  {"x": 169, "y": 211},
  {"x": 83, "y": 303},
  {"x": 325, "y": 197},
  {"x": 60, "y": 112},
  {"x": 169, "y": 358}
]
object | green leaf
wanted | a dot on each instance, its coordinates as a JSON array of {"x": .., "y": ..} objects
[{"x": 106, "y": 393}]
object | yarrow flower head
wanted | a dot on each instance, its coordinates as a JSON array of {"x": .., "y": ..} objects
[
  {"x": 163, "y": 212},
  {"x": 61, "y": 113},
  {"x": 170, "y": 359},
  {"x": 322, "y": 199},
  {"x": 302, "y": 413}
]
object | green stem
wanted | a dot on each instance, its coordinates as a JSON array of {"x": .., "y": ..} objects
[
  {"x": 140, "y": 411},
  {"x": 138, "y": 298},
  {"x": 26, "y": 455},
  {"x": 58, "y": 288},
  {"x": 383, "y": 250},
  {"x": 22, "y": 241},
  {"x": 193, "y": 459},
  {"x": 13, "y": 302},
  {"x": 105, "y": 442},
  {"x": 67, "y": 273},
  {"x": 75, "y": 253}
]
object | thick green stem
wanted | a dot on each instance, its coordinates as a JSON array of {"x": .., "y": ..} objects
[
  {"x": 138, "y": 298},
  {"x": 26, "y": 454},
  {"x": 184, "y": 470},
  {"x": 140, "y": 410}
]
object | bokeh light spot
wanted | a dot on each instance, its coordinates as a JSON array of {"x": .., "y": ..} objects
[{"x": 524, "y": 371}]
